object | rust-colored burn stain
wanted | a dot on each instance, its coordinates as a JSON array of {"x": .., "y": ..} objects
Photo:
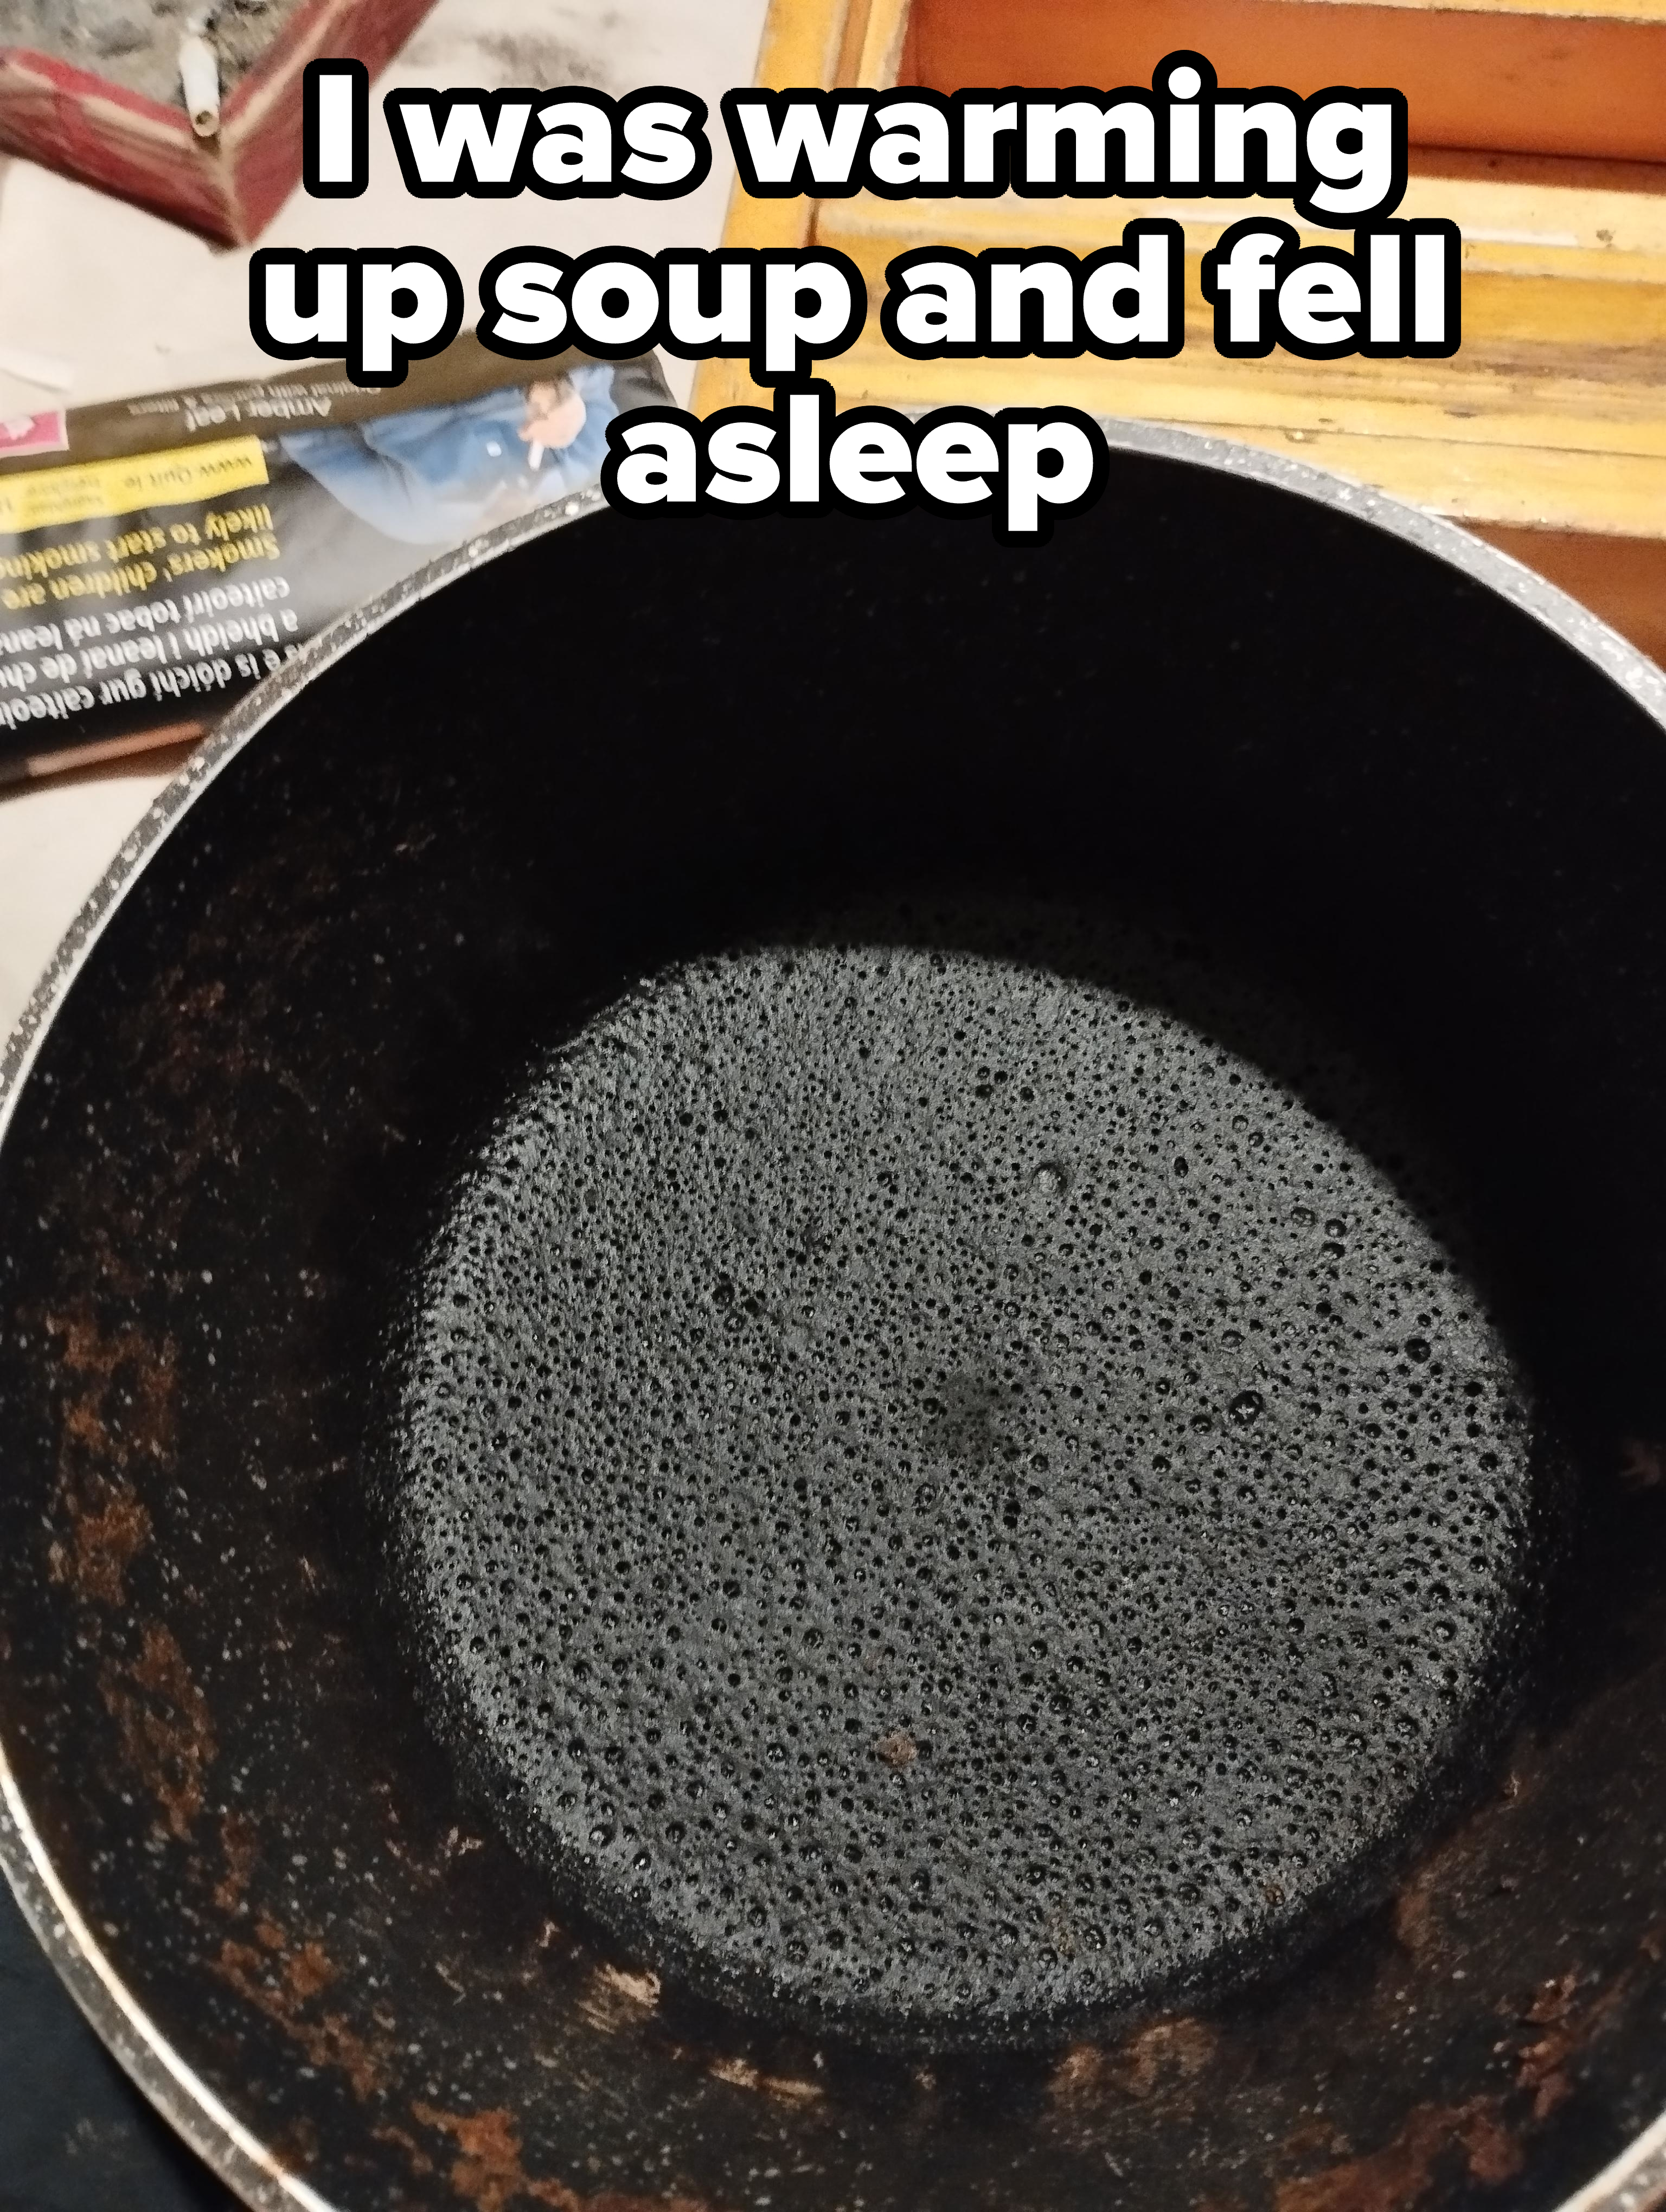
[
  {"x": 431, "y": 1867},
  {"x": 489, "y": 2171},
  {"x": 1167, "y": 2055},
  {"x": 104, "y": 1539},
  {"x": 404, "y": 2142},
  {"x": 1494, "y": 2154},
  {"x": 240, "y": 1842},
  {"x": 206, "y": 1047},
  {"x": 166, "y": 1736},
  {"x": 118, "y": 1392},
  {"x": 1484, "y": 2136},
  {"x": 91, "y": 1361},
  {"x": 297, "y": 2144},
  {"x": 308, "y": 1971},
  {"x": 1396, "y": 2178},
  {"x": 786, "y": 2088},
  {"x": 1565, "y": 2024},
  {"x": 617, "y": 1998},
  {"x": 1315, "y": 2142},
  {"x": 1423, "y": 1904},
  {"x": 1079, "y": 2073},
  {"x": 642, "y": 1989},
  {"x": 1413, "y": 1918},
  {"x": 898, "y": 1750},
  {"x": 82, "y": 1426},
  {"x": 283, "y": 1980}
]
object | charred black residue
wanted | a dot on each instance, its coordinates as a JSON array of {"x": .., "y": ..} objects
[{"x": 1065, "y": 1583}]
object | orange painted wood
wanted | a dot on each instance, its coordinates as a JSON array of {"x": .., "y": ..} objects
[
  {"x": 1568, "y": 76},
  {"x": 1622, "y": 579}
]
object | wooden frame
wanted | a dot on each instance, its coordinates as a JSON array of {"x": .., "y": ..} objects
[
  {"x": 1551, "y": 417},
  {"x": 1548, "y": 77}
]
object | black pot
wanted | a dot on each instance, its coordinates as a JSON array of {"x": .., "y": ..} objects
[{"x": 1355, "y": 800}]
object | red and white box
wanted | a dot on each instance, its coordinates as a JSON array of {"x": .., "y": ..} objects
[{"x": 228, "y": 187}]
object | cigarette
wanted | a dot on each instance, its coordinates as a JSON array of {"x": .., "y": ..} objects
[{"x": 199, "y": 76}]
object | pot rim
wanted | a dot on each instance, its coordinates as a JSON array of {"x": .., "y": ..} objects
[{"x": 1634, "y": 2181}]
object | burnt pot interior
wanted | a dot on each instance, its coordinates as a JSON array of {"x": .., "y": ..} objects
[
  {"x": 944, "y": 1503},
  {"x": 1242, "y": 724}
]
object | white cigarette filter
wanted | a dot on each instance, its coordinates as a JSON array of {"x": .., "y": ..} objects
[{"x": 199, "y": 81}]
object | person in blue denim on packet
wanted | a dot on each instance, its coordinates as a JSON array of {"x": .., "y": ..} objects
[{"x": 436, "y": 475}]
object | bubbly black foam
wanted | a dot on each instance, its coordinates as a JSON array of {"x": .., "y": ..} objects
[{"x": 942, "y": 1502}]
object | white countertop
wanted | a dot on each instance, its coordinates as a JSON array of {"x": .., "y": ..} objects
[{"x": 104, "y": 300}]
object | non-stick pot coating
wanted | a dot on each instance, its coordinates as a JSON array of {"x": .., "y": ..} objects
[{"x": 1288, "y": 734}]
